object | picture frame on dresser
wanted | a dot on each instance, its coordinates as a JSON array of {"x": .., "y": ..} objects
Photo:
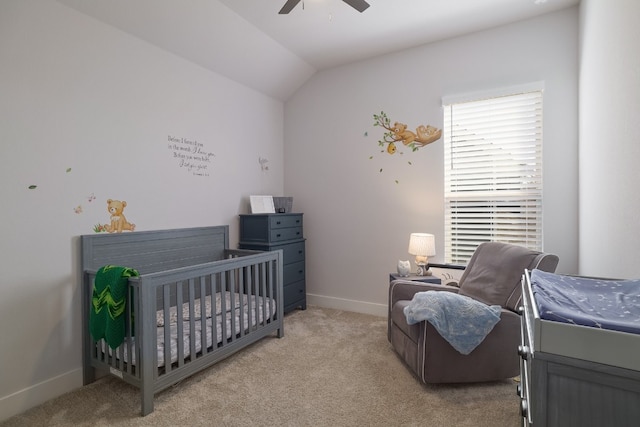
[{"x": 262, "y": 204}]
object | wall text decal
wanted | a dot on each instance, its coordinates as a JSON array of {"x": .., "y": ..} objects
[{"x": 191, "y": 155}]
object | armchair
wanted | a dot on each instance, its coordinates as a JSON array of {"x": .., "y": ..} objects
[{"x": 493, "y": 277}]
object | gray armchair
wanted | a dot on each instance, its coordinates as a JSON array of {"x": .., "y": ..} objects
[{"x": 492, "y": 276}]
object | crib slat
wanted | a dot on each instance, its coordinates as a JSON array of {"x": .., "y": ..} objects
[
  {"x": 203, "y": 317},
  {"x": 272, "y": 279},
  {"x": 242, "y": 277},
  {"x": 179, "y": 324},
  {"x": 223, "y": 312},
  {"x": 166, "y": 306},
  {"x": 137, "y": 325},
  {"x": 192, "y": 321},
  {"x": 263, "y": 292},
  {"x": 232, "y": 292},
  {"x": 251, "y": 301},
  {"x": 215, "y": 312}
]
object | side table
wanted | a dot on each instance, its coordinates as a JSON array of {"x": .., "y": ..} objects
[{"x": 414, "y": 278}]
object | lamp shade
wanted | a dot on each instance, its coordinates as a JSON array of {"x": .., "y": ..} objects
[{"x": 422, "y": 244}]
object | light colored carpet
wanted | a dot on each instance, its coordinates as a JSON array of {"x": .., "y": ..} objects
[{"x": 332, "y": 368}]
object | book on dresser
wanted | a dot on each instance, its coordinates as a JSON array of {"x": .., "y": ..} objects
[{"x": 270, "y": 232}]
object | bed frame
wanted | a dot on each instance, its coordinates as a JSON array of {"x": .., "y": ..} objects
[{"x": 178, "y": 267}]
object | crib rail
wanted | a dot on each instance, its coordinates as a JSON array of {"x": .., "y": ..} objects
[{"x": 202, "y": 313}]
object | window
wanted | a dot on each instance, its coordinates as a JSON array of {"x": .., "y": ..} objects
[{"x": 493, "y": 172}]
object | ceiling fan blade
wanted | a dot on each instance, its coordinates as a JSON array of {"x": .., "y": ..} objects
[
  {"x": 359, "y": 5},
  {"x": 288, "y": 6}
]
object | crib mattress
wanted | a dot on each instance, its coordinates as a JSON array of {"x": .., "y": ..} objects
[{"x": 249, "y": 319}]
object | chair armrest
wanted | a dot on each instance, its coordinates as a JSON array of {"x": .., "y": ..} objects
[{"x": 405, "y": 289}]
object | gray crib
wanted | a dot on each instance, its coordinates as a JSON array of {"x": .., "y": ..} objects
[{"x": 195, "y": 302}]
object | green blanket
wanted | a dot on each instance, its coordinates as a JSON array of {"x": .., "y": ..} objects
[{"x": 108, "y": 304}]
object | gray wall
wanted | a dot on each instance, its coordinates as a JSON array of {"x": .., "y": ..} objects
[
  {"x": 358, "y": 219},
  {"x": 80, "y": 95},
  {"x": 86, "y": 111},
  {"x": 609, "y": 138}
]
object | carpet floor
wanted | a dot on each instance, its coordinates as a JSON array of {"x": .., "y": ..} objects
[{"x": 331, "y": 368}]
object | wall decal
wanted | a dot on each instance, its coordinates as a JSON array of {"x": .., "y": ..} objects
[
  {"x": 118, "y": 221},
  {"x": 399, "y": 133},
  {"x": 90, "y": 198},
  {"x": 191, "y": 155},
  {"x": 263, "y": 164},
  {"x": 397, "y": 136}
]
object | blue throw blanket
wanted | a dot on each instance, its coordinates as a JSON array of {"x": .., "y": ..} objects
[{"x": 462, "y": 321}]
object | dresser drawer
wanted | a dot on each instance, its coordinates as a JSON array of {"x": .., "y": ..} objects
[
  {"x": 283, "y": 234},
  {"x": 270, "y": 228},
  {"x": 272, "y": 232},
  {"x": 285, "y": 221},
  {"x": 294, "y": 293},
  {"x": 292, "y": 252},
  {"x": 293, "y": 272}
]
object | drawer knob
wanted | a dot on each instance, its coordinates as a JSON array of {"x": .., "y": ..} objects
[{"x": 523, "y": 351}]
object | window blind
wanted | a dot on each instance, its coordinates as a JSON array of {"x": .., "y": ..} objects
[{"x": 493, "y": 173}]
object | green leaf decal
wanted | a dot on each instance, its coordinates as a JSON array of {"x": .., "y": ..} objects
[{"x": 33, "y": 187}]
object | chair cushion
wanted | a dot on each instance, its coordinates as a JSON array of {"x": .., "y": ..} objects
[{"x": 494, "y": 273}]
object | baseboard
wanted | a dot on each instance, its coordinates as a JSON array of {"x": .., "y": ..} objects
[
  {"x": 348, "y": 305},
  {"x": 37, "y": 394}
]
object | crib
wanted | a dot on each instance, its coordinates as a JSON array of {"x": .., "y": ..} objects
[{"x": 194, "y": 303}]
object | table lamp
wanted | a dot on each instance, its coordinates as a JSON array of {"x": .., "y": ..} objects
[{"x": 422, "y": 245}]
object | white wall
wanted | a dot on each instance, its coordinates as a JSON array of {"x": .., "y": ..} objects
[
  {"x": 358, "y": 219},
  {"x": 609, "y": 138},
  {"x": 88, "y": 110}
]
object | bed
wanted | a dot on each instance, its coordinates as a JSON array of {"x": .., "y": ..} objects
[
  {"x": 579, "y": 352},
  {"x": 193, "y": 303}
]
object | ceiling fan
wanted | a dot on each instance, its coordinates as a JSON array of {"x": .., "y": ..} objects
[{"x": 359, "y": 5}]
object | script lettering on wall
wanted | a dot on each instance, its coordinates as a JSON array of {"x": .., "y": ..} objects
[{"x": 190, "y": 155}]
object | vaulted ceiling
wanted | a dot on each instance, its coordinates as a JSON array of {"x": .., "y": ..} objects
[{"x": 249, "y": 42}]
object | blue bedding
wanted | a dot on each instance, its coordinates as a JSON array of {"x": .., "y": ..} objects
[{"x": 605, "y": 304}]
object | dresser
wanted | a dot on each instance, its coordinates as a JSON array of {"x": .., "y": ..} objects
[
  {"x": 573, "y": 375},
  {"x": 284, "y": 231}
]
